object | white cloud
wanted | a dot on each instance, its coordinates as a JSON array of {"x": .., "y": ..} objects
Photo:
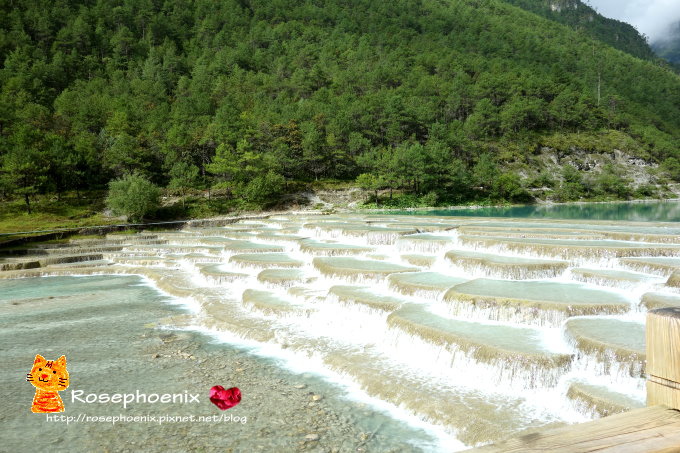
[{"x": 651, "y": 17}]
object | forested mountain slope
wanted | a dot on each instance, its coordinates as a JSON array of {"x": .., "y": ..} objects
[
  {"x": 431, "y": 96},
  {"x": 581, "y": 17}
]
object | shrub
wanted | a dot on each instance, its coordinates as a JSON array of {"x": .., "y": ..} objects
[
  {"x": 610, "y": 182},
  {"x": 672, "y": 167},
  {"x": 508, "y": 186},
  {"x": 133, "y": 196},
  {"x": 183, "y": 176},
  {"x": 572, "y": 187},
  {"x": 646, "y": 191},
  {"x": 262, "y": 189},
  {"x": 429, "y": 199},
  {"x": 543, "y": 179},
  {"x": 369, "y": 181},
  {"x": 569, "y": 191}
]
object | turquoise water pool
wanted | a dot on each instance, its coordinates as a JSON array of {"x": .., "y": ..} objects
[{"x": 648, "y": 211}]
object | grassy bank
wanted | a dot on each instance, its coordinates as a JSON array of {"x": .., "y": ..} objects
[
  {"x": 88, "y": 210},
  {"x": 70, "y": 211},
  {"x": 49, "y": 213}
]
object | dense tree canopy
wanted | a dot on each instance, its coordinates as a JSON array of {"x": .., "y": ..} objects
[{"x": 423, "y": 95}]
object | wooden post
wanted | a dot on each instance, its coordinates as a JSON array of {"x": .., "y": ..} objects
[{"x": 663, "y": 357}]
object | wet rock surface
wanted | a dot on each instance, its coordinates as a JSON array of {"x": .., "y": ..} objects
[{"x": 125, "y": 349}]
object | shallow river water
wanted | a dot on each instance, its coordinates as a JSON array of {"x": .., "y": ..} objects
[{"x": 377, "y": 332}]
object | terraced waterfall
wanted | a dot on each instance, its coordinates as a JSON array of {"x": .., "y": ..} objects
[{"x": 481, "y": 328}]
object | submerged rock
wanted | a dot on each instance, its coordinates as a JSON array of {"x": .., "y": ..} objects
[
  {"x": 424, "y": 284},
  {"x": 674, "y": 279},
  {"x": 356, "y": 269},
  {"x": 495, "y": 265},
  {"x": 264, "y": 260},
  {"x": 517, "y": 353},
  {"x": 600, "y": 401},
  {"x": 655, "y": 300},
  {"x": 531, "y": 302},
  {"x": 611, "y": 342}
]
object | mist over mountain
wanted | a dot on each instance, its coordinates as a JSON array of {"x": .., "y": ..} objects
[
  {"x": 657, "y": 20},
  {"x": 653, "y": 18},
  {"x": 585, "y": 19},
  {"x": 668, "y": 46}
]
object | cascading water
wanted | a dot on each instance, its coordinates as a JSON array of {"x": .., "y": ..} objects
[{"x": 474, "y": 333}]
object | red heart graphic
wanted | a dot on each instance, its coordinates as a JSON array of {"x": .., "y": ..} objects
[{"x": 225, "y": 398}]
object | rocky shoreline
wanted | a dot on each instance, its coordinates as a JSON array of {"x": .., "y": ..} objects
[
  {"x": 122, "y": 336},
  {"x": 295, "y": 412}
]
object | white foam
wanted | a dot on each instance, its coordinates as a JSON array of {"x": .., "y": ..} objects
[
  {"x": 443, "y": 440},
  {"x": 331, "y": 325}
]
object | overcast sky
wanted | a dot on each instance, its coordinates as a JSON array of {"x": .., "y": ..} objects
[{"x": 651, "y": 17}]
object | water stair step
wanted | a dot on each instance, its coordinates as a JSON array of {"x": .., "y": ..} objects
[
  {"x": 532, "y": 302},
  {"x": 600, "y": 400}
]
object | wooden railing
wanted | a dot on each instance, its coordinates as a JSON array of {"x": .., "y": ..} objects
[
  {"x": 663, "y": 357},
  {"x": 654, "y": 429}
]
